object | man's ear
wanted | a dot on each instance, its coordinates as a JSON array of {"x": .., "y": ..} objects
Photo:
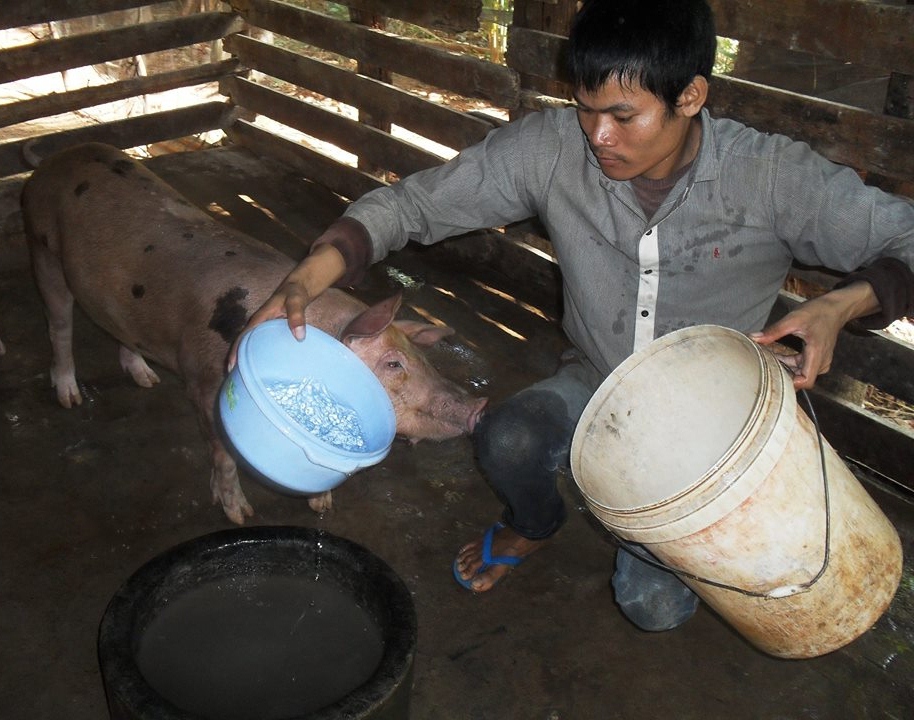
[{"x": 693, "y": 98}]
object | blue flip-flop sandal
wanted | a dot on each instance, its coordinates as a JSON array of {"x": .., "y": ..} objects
[{"x": 487, "y": 558}]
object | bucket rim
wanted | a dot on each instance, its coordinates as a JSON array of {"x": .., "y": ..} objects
[
  {"x": 750, "y": 427},
  {"x": 286, "y": 424}
]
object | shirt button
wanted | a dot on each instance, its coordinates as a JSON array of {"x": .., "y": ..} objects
[
  {"x": 644, "y": 313},
  {"x": 648, "y": 271},
  {"x": 650, "y": 230}
]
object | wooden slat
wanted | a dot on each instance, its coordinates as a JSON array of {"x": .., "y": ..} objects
[
  {"x": 345, "y": 181},
  {"x": 508, "y": 254},
  {"x": 48, "y": 56},
  {"x": 373, "y": 145},
  {"x": 534, "y": 100},
  {"x": 16, "y": 13},
  {"x": 869, "y": 33},
  {"x": 451, "y": 16},
  {"x": 876, "y": 143},
  {"x": 449, "y": 127},
  {"x": 458, "y": 73},
  {"x": 132, "y": 132},
  {"x": 57, "y": 103},
  {"x": 864, "y": 436},
  {"x": 846, "y": 135}
]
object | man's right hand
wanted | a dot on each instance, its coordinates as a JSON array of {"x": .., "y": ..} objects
[{"x": 318, "y": 271}]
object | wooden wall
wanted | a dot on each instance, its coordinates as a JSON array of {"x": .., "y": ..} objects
[
  {"x": 873, "y": 34},
  {"x": 301, "y": 77},
  {"x": 72, "y": 34}
]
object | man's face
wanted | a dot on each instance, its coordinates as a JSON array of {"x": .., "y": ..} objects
[{"x": 631, "y": 132}]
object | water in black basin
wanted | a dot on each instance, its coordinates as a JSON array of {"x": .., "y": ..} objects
[{"x": 265, "y": 647}]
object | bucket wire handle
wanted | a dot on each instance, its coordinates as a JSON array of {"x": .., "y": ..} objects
[{"x": 780, "y": 592}]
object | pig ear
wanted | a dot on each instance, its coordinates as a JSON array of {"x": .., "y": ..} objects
[
  {"x": 374, "y": 320},
  {"x": 423, "y": 333}
]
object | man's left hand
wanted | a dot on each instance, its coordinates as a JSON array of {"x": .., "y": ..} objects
[{"x": 817, "y": 323}]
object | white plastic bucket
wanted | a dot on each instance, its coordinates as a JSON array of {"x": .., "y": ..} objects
[
  {"x": 271, "y": 440},
  {"x": 695, "y": 448}
]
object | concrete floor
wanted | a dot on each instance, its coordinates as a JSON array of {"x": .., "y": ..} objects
[{"x": 89, "y": 495}]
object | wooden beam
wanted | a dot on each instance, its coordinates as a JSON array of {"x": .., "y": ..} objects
[
  {"x": 877, "y": 34},
  {"x": 132, "y": 132},
  {"x": 373, "y": 145},
  {"x": 57, "y": 103},
  {"x": 453, "y": 16},
  {"x": 539, "y": 53},
  {"x": 345, "y": 181},
  {"x": 16, "y": 13},
  {"x": 47, "y": 56},
  {"x": 863, "y": 436},
  {"x": 449, "y": 127},
  {"x": 457, "y": 73}
]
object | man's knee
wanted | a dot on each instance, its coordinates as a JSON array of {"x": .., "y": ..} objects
[
  {"x": 652, "y": 598},
  {"x": 531, "y": 427}
]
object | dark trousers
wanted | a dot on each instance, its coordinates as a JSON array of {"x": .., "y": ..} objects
[{"x": 521, "y": 444}]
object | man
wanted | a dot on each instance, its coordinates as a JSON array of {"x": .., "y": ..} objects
[{"x": 661, "y": 217}]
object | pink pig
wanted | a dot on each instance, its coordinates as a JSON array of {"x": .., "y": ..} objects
[{"x": 173, "y": 285}]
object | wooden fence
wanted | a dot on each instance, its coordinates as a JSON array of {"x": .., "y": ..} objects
[{"x": 282, "y": 56}]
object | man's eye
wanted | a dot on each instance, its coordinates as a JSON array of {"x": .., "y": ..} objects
[
  {"x": 624, "y": 119},
  {"x": 394, "y": 364}
]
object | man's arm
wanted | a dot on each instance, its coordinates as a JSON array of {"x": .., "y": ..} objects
[{"x": 339, "y": 256}]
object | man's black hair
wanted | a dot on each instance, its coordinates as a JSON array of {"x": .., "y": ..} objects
[{"x": 660, "y": 45}]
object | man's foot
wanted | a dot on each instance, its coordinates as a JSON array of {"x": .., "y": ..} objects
[{"x": 481, "y": 564}]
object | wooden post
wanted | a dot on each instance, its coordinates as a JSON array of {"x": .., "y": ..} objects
[
  {"x": 552, "y": 16},
  {"x": 375, "y": 72},
  {"x": 899, "y": 99},
  {"x": 899, "y": 102}
]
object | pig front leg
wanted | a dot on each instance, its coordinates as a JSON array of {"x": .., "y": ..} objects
[
  {"x": 321, "y": 503},
  {"x": 226, "y": 487},
  {"x": 203, "y": 383},
  {"x": 58, "y": 301},
  {"x": 133, "y": 362}
]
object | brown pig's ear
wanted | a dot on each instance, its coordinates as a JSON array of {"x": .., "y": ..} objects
[
  {"x": 373, "y": 321},
  {"x": 423, "y": 333}
]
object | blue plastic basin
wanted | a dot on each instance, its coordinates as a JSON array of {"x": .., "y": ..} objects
[{"x": 271, "y": 440}]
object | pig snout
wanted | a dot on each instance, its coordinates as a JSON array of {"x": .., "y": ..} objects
[{"x": 450, "y": 414}]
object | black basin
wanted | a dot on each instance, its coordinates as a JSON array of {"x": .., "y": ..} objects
[{"x": 281, "y": 558}]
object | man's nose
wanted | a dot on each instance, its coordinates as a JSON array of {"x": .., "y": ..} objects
[{"x": 604, "y": 134}]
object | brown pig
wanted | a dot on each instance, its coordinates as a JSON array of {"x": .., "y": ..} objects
[{"x": 175, "y": 286}]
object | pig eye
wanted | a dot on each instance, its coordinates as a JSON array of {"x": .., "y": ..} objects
[{"x": 394, "y": 364}]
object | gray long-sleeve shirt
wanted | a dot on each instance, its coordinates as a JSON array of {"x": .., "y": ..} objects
[{"x": 716, "y": 251}]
